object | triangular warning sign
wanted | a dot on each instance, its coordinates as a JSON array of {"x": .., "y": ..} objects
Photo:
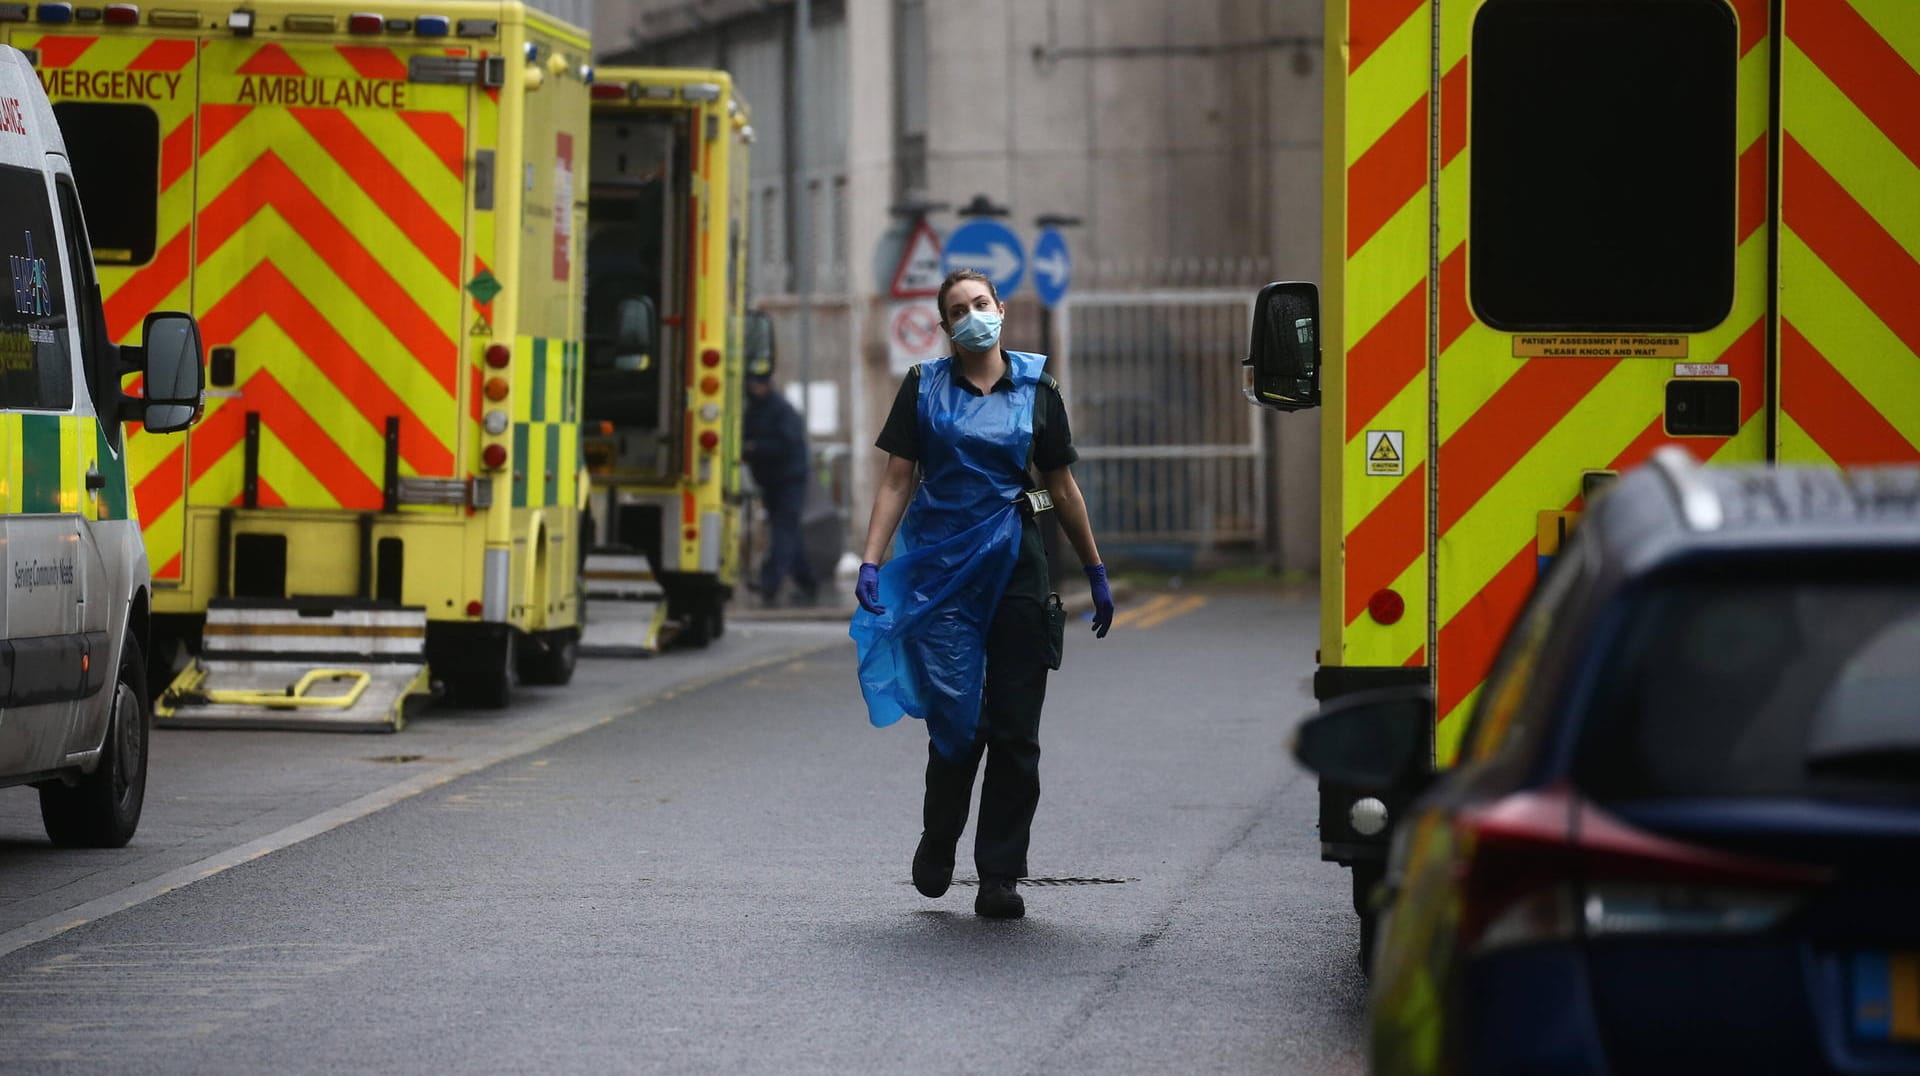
[
  {"x": 480, "y": 327},
  {"x": 918, "y": 275},
  {"x": 1383, "y": 451}
]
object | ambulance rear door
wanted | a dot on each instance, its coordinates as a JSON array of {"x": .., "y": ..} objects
[{"x": 332, "y": 208}]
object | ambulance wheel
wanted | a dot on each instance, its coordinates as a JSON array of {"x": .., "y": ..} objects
[
  {"x": 549, "y": 657},
  {"x": 102, "y": 808},
  {"x": 484, "y": 679}
]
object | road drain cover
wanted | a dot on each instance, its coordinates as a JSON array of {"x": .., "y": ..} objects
[
  {"x": 395, "y": 758},
  {"x": 1054, "y": 881}
]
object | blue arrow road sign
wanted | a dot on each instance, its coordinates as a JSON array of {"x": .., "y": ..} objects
[
  {"x": 1052, "y": 267},
  {"x": 991, "y": 247}
]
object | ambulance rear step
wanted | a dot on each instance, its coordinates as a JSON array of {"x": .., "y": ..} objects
[
  {"x": 626, "y": 607},
  {"x": 316, "y": 664}
]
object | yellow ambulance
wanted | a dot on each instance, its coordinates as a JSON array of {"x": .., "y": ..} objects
[
  {"x": 76, "y": 596},
  {"x": 374, "y": 214}
]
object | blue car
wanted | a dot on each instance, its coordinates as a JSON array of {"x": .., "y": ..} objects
[{"x": 1683, "y": 833}]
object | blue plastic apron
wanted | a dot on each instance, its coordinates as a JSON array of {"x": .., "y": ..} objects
[{"x": 925, "y": 657}]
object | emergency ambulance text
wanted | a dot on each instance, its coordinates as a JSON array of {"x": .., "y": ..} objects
[
  {"x": 112, "y": 85},
  {"x": 322, "y": 92}
]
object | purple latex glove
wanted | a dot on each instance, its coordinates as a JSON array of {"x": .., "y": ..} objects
[
  {"x": 867, "y": 590},
  {"x": 1102, "y": 600}
]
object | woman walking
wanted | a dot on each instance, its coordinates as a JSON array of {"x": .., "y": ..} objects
[{"x": 960, "y": 628}]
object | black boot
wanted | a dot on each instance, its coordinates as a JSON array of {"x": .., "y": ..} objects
[
  {"x": 999, "y": 899},
  {"x": 932, "y": 867}
]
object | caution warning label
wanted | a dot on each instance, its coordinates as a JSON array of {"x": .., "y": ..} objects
[{"x": 1386, "y": 452}]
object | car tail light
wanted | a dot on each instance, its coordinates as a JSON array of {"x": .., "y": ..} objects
[
  {"x": 498, "y": 355},
  {"x": 1542, "y": 866},
  {"x": 710, "y": 357},
  {"x": 709, "y": 440},
  {"x": 494, "y": 457}
]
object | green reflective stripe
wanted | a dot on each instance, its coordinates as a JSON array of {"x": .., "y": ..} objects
[
  {"x": 573, "y": 382},
  {"x": 520, "y": 463},
  {"x": 553, "y": 464},
  {"x": 538, "y": 413},
  {"x": 41, "y": 463},
  {"x": 114, "y": 496}
]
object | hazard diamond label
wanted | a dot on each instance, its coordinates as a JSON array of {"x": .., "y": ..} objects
[{"x": 1386, "y": 452}]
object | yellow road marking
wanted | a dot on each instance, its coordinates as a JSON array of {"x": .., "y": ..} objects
[
  {"x": 1168, "y": 612},
  {"x": 1154, "y": 604}
]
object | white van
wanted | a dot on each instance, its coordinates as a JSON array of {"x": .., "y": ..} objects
[{"x": 74, "y": 708}]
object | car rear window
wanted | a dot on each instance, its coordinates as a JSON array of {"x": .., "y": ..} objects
[{"x": 1760, "y": 688}]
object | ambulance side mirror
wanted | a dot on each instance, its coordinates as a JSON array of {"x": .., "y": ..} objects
[
  {"x": 1283, "y": 360},
  {"x": 171, "y": 362},
  {"x": 757, "y": 343}
]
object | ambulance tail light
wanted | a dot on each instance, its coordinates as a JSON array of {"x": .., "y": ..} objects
[
  {"x": 474, "y": 608},
  {"x": 123, "y": 14},
  {"x": 498, "y": 356},
  {"x": 362, "y": 22},
  {"x": 709, "y": 440},
  {"x": 710, "y": 357},
  {"x": 1549, "y": 866},
  {"x": 609, "y": 91},
  {"x": 494, "y": 457},
  {"x": 710, "y": 385},
  {"x": 496, "y": 389}
]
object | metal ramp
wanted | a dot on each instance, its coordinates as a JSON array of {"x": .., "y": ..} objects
[
  {"x": 626, "y": 607},
  {"x": 301, "y": 665}
]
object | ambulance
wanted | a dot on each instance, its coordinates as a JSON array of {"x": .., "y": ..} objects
[
  {"x": 76, "y": 600},
  {"x": 1558, "y": 237},
  {"x": 667, "y": 339},
  {"x": 374, "y": 214}
]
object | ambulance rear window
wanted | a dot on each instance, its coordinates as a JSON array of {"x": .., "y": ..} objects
[
  {"x": 1604, "y": 160},
  {"x": 115, "y": 151},
  {"x": 35, "y": 373}
]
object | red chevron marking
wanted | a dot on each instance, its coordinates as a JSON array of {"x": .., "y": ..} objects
[
  {"x": 1386, "y": 176},
  {"x": 217, "y": 120},
  {"x": 166, "y": 54},
  {"x": 1453, "y": 113},
  {"x": 444, "y": 135},
  {"x": 176, "y": 154},
  {"x": 269, "y": 183},
  {"x": 1370, "y": 24},
  {"x": 62, "y": 51},
  {"x": 1505, "y": 428},
  {"x": 1856, "y": 247},
  {"x": 1878, "y": 81},
  {"x": 146, "y": 289},
  {"x": 373, "y": 62},
  {"x": 373, "y": 173},
  {"x": 1386, "y": 358},
  {"x": 1831, "y": 410},
  {"x": 265, "y": 292},
  {"x": 272, "y": 59}
]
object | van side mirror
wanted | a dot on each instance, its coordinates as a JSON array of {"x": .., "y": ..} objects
[
  {"x": 171, "y": 361},
  {"x": 1370, "y": 739},
  {"x": 1283, "y": 360},
  {"x": 757, "y": 343}
]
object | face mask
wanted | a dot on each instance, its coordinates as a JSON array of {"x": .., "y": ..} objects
[{"x": 978, "y": 331}]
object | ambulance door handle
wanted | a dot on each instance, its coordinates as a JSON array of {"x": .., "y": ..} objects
[{"x": 96, "y": 480}]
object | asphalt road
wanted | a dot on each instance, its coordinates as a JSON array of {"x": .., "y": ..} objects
[{"x": 699, "y": 863}]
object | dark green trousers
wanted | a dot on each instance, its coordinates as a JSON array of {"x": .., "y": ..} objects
[{"x": 1009, "y": 739}]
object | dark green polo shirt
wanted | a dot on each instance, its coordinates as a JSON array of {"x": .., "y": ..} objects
[{"x": 1052, "y": 449}]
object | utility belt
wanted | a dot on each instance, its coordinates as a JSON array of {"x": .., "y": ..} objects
[{"x": 1033, "y": 502}]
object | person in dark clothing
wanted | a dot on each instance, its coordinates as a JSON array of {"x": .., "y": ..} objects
[
  {"x": 774, "y": 445},
  {"x": 960, "y": 628}
]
